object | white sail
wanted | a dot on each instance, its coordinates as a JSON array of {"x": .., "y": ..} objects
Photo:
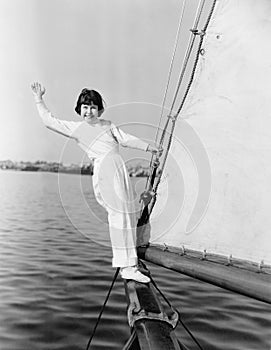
[{"x": 215, "y": 194}]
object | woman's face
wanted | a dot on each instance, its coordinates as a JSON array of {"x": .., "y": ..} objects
[{"x": 90, "y": 113}]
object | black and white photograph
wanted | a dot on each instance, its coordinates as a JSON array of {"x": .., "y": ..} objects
[{"x": 135, "y": 175}]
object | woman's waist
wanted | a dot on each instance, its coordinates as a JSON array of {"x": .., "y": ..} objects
[
  {"x": 108, "y": 165},
  {"x": 100, "y": 154},
  {"x": 108, "y": 159},
  {"x": 98, "y": 157}
]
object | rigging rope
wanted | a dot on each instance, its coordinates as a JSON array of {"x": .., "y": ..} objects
[
  {"x": 171, "y": 65},
  {"x": 147, "y": 210},
  {"x": 168, "y": 79},
  {"x": 197, "y": 57},
  {"x": 188, "y": 50},
  {"x": 102, "y": 309}
]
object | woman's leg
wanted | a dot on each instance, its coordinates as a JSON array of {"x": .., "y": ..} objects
[
  {"x": 116, "y": 197},
  {"x": 123, "y": 239}
]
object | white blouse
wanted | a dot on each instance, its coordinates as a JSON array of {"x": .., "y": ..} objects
[{"x": 96, "y": 140}]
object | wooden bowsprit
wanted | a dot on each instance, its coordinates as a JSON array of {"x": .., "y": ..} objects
[{"x": 152, "y": 328}]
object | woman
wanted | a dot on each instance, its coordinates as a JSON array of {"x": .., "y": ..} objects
[{"x": 100, "y": 139}]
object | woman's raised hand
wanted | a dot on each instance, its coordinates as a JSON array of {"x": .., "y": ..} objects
[{"x": 38, "y": 91}]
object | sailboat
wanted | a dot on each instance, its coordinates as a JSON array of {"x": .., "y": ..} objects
[{"x": 209, "y": 213}]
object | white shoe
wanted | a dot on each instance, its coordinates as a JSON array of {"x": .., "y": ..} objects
[{"x": 132, "y": 273}]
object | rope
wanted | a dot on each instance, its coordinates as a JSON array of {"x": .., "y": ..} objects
[
  {"x": 167, "y": 85},
  {"x": 194, "y": 32},
  {"x": 197, "y": 58},
  {"x": 162, "y": 166},
  {"x": 169, "y": 304},
  {"x": 171, "y": 65},
  {"x": 188, "y": 51},
  {"x": 145, "y": 212},
  {"x": 102, "y": 309}
]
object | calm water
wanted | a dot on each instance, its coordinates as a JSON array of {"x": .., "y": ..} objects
[{"x": 55, "y": 270}]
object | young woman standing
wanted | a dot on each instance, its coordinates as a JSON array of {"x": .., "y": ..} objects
[{"x": 100, "y": 139}]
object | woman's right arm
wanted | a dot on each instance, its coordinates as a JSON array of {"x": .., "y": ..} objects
[{"x": 62, "y": 127}]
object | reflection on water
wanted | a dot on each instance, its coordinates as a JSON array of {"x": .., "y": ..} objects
[{"x": 54, "y": 276}]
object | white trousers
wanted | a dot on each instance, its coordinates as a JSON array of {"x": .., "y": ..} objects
[{"x": 113, "y": 191}]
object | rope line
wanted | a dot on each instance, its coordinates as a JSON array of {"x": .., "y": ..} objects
[
  {"x": 162, "y": 167},
  {"x": 168, "y": 82},
  {"x": 102, "y": 309},
  {"x": 184, "y": 67},
  {"x": 197, "y": 58},
  {"x": 194, "y": 32},
  {"x": 173, "y": 308},
  {"x": 171, "y": 65},
  {"x": 188, "y": 51},
  {"x": 145, "y": 213}
]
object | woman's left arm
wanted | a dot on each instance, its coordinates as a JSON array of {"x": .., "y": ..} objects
[{"x": 127, "y": 140}]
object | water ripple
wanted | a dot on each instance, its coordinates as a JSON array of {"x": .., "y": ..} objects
[{"x": 54, "y": 281}]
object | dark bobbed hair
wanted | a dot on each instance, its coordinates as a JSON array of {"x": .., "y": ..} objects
[{"x": 87, "y": 97}]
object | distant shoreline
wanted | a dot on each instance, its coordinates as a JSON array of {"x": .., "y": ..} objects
[{"x": 55, "y": 167}]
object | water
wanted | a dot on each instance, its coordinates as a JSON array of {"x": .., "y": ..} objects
[{"x": 54, "y": 278}]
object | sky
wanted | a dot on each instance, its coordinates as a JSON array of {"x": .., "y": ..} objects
[{"x": 121, "y": 48}]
